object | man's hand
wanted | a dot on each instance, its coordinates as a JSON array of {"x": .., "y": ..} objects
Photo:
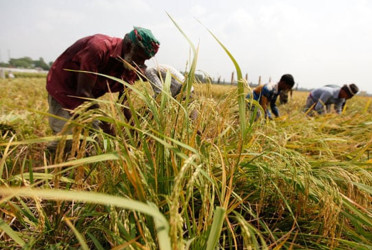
[{"x": 122, "y": 98}]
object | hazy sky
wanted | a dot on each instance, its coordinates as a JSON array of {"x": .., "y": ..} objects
[{"x": 319, "y": 41}]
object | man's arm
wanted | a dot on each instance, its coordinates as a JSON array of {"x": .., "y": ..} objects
[
  {"x": 85, "y": 85},
  {"x": 339, "y": 106},
  {"x": 89, "y": 59},
  {"x": 273, "y": 106},
  {"x": 320, "y": 106},
  {"x": 267, "y": 97},
  {"x": 156, "y": 84},
  {"x": 264, "y": 104},
  {"x": 122, "y": 99}
]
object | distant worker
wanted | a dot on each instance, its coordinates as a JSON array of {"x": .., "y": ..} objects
[
  {"x": 101, "y": 54},
  {"x": 268, "y": 93},
  {"x": 156, "y": 76},
  {"x": 321, "y": 99}
]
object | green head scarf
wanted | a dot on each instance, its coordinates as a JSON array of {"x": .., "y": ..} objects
[{"x": 145, "y": 39}]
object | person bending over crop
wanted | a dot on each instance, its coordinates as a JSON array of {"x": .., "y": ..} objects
[
  {"x": 267, "y": 94},
  {"x": 156, "y": 76},
  {"x": 101, "y": 54},
  {"x": 321, "y": 99}
]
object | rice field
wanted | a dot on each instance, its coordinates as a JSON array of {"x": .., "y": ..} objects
[
  {"x": 165, "y": 181},
  {"x": 168, "y": 182}
]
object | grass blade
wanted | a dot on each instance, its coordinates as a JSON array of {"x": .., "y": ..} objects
[
  {"x": 78, "y": 235},
  {"x": 216, "y": 228},
  {"x": 11, "y": 233},
  {"x": 96, "y": 198}
]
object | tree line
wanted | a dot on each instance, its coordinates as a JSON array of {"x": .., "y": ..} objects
[{"x": 27, "y": 63}]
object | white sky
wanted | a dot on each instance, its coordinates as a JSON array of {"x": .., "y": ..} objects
[{"x": 319, "y": 41}]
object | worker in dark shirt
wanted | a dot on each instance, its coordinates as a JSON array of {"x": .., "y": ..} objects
[
  {"x": 267, "y": 94},
  {"x": 101, "y": 54}
]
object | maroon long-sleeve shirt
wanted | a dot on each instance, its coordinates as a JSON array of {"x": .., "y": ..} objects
[{"x": 97, "y": 53}]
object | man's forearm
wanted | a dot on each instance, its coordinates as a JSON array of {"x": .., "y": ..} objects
[{"x": 85, "y": 85}]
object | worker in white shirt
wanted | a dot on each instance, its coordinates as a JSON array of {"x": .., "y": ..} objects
[
  {"x": 156, "y": 76},
  {"x": 321, "y": 99}
]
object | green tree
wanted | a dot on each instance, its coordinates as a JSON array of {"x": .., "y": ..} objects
[
  {"x": 23, "y": 62},
  {"x": 28, "y": 63},
  {"x": 41, "y": 64},
  {"x": 3, "y": 64}
]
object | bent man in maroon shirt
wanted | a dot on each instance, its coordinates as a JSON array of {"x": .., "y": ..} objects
[{"x": 100, "y": 54}]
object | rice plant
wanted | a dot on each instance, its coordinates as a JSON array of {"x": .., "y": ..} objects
[{"x": 165, "y": 181}]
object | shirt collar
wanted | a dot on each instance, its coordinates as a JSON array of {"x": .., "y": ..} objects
[{"x": 275, "y": 87}]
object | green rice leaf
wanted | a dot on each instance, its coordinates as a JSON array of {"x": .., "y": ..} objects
[
  {"x": 214, "y": 235},
  {"x": 11, "y": 233},
  {"x": 78, "y": 235},
  {"x": 96, "y": 198}
]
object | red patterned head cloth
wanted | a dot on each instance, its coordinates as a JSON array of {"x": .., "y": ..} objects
[{"x": 145, "y": 39}]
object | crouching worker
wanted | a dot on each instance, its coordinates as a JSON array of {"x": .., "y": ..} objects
[
  {"x": 156, "y": 76},
  {"x": 321, "y": 99},
  {"x": 101, "y": 54},
  {"x": 267, "y": 94}
]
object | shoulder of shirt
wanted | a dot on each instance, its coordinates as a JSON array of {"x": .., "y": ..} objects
[
  {"x": 325, "y": 89},
  {"x": 270, "y": 86},
  {"x": 102, "y": 36},
  {"x": 104, "y": 43},
  {"x": 99, "y": 38}
]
